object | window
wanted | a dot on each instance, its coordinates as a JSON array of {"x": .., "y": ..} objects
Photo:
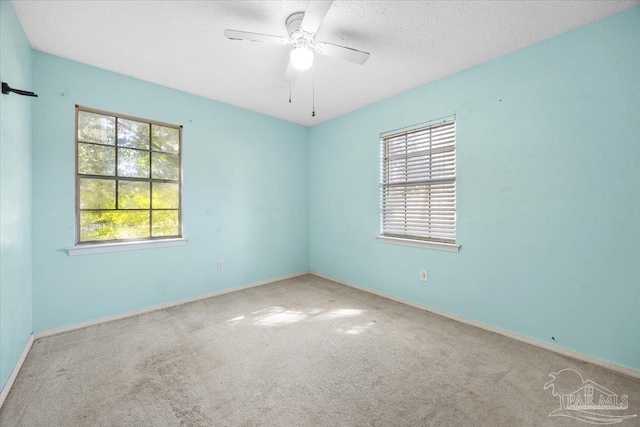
[
  {"x": 128, "y": 178},
  {"x": 418, "y": 184}
]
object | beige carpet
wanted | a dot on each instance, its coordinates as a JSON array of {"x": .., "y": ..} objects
[{"x": 301, "y": 352}]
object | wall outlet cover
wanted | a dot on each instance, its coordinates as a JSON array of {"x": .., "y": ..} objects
[{"x": 423, "y": 275}]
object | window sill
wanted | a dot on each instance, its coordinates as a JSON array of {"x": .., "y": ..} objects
[
  {"x": 447, "y": 247},
  {"x": 99, "y": 248}
]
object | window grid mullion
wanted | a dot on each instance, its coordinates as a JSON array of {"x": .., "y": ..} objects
[
  {"x": 128, "y": 178},
  {"x": 116, "y": 154},
  {"x": 150, "y": 182}
]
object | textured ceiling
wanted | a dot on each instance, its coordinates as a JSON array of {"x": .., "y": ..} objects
[{"x": 180, "y": 44}]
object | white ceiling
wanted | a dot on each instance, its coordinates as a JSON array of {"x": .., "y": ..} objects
[{"x": 180, "y": 44}]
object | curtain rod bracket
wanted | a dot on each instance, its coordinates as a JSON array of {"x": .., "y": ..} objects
[{"x": 6, "y": 89}]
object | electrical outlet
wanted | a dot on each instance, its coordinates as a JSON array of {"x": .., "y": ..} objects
[
  {"x": 220, "y": 264},
  {"x": 423, "y": 275}
]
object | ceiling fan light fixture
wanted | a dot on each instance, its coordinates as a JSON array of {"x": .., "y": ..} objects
[{"x": 301, "y": 58}]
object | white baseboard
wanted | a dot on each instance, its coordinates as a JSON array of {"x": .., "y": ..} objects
[
  {"x": 15, "y": 370},
  {"x": 56, "y": 331},
  {"x": 557, "y": 349}
]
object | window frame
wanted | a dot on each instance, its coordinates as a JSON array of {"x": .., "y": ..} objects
[
  {"x": 429, "y": 242},
  {"x": 138, "y": 241}
]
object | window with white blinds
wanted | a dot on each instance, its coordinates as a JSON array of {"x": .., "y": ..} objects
[{"x": 418, "y": 183}]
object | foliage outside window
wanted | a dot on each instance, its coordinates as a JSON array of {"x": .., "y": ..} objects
[{"x": 128, "y": 178}]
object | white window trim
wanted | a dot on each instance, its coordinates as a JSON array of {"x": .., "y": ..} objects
[
  {"x": 99, "y": 248},
  {"x": 447, "y": 247}
]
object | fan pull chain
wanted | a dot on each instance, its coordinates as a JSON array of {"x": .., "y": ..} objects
[
  {"x": 289, "y": 91},
  {"x": 313, "y": 90}
]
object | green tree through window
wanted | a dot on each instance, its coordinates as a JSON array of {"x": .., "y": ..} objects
[{"x": 128, "y": 178}]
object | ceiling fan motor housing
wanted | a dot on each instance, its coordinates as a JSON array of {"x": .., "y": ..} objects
[{"x": 297, "y": 35}]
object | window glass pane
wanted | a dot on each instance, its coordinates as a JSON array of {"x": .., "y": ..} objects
[
  {"x": 133, "y": 134},
  {"x": 96, "y": 128},
  {"x": 165, "y": 166},
  {"x": 131, "y": 158},
  {"x": 133, "y": 163},
  {"x": 165, "y": 139},
  {"x": 97, "y": 194},
  {"x": 133, "y": 195},
  {"x": 112, "y": 225},
  {"x": 96, "y": 160},
  {"x": 165, "y": 223},
  {"x": 166, "y": 195}
]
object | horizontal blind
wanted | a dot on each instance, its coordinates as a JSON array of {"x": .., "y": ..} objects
[{"x": 418, "y": 183}]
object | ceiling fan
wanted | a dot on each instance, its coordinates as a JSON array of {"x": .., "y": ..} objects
[{"x": 302, "y": 28}]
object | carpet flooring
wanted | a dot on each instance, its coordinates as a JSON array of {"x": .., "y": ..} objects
[{"x": 299, "y": 352}]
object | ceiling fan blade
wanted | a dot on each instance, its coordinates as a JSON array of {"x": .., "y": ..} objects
[
  {"x": 291, "y": 73},
  {"x": 341, "y": 52},
  {"x": 313, "y": 16},
  {"x": 255, "y": 37}
]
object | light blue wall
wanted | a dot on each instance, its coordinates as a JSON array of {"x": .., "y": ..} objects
[
  {"x": 548, "y": 184},
  {"x": 15, "y": 192},
  {"x": 245, "y": 199}
]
